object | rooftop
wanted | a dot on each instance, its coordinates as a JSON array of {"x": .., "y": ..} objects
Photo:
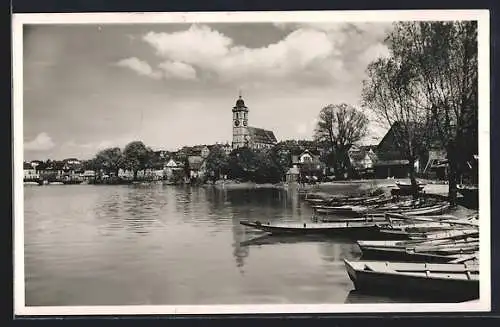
[{"x": 260, "y": 135}]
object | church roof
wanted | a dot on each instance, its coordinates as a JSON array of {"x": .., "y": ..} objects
[
  {"x": 240, "y": 103},
  {"x": 260, "y": 135}
]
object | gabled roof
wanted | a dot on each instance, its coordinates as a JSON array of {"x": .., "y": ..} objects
[{"x": 260, "y": 135}]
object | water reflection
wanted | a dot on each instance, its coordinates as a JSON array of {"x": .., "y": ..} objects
[
  {"x": 140, "y": 244},
  {"x": 239, "y": 252}
]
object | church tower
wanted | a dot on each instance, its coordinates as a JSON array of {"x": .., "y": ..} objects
[{"x": 240, "y": 124}]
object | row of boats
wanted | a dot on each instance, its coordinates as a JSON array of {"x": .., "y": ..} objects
[{"x": 408, "y": 246}]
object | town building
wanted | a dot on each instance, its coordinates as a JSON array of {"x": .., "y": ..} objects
[
  {"x": 362, "y": 160},
  {"x": 389, "y": 162},
  {"x": 30, "y": 172},
  {"x": 246, "y": 136},
  {"x": 196, "y": 166}
]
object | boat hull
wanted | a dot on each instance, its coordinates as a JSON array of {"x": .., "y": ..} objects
[
  {"x": 344, "y": 230},
  {"x": 448, "y": 290},
  {"x": 394, "y": 254}
]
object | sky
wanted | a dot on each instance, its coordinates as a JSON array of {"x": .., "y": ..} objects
[{"x": 88, "y": 87}]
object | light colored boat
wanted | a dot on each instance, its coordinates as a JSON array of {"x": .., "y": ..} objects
[
  {"x": 450, "y": 282},
  {"x": 444, "y": 250}
]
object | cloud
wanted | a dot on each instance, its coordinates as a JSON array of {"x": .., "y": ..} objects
[
  {"x": 178, "y": 69},
  {"x": 140, "y": 67},
  {"x": 215, "y": 53},
  {"x": 41, "y": 142}
]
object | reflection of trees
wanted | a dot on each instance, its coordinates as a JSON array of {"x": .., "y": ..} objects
[{"x": 239, "y": 252}]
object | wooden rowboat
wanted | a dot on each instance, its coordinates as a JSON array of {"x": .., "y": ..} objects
[
  {"x": 346, "y": 229},
  {"x": 407, "y": 186},
  {"x": 370, "y": 211},
  {"x": 438, "y": 282},
  {"x": 422, "y": 251}
]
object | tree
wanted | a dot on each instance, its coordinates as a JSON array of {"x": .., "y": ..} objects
[
  {"x": 269, "y": 169},
  {"x": 390, "y": 94},
  {"x": 243, "y": 164},
  {"x": 443, "y": 57},
  {"x": 136, "y": 157},
  {"x": 216, "y": 162},
  {"x": 339, "y": 127},
  {"x": 111, "y": 160}
]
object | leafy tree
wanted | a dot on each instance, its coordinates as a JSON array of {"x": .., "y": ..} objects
[
  {"x": 268, "y": 168},
  {"x": 111, "y": 160},
  {"x": 216, "y": 163},
  {"x": 242, "y": 164},
  {"x": 339, "y": 127},
  {"x": 136, "y": 157}
]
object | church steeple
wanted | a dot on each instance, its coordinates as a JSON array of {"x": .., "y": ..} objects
[
  {"x": 240, "y": 122},
  {"x": 240, "y": 103}
]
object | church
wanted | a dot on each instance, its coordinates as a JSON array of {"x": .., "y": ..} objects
[{"x": 246, "y": 136}]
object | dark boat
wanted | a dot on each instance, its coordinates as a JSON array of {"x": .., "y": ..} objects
[
  {"x": 452, "y": 282},
  {"x": 346, "y": 229}
]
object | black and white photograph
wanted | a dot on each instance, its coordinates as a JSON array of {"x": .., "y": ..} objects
[{"x": 251, "y": 162}]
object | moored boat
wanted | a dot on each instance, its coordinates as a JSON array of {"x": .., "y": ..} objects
[
  {"x": 448, "y": 282},
  {"x": 403, "y": 186},
  {"x": 422, "y": 251},
  {"x": 347, "y": 229}
]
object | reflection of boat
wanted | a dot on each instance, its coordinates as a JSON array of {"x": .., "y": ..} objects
[
  {"x": 268, "y": 238},
  {"x": 453, "y": 282}
]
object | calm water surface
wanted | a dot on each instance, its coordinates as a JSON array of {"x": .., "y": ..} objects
[{"x": 130, "y": 245}]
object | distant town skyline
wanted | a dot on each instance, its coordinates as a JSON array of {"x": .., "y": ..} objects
[{"x": 87, "y": 87}]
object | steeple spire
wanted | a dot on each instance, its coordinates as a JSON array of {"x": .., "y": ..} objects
[{"x": 239, "y": 93}]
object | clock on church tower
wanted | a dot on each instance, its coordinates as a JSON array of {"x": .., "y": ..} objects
[{"x": 240, "y": 123}]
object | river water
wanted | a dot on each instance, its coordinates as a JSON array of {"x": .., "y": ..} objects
[{"x": 169, "y": 245}]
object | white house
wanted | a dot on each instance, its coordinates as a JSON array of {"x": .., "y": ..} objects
[
  {"x": 170, "y": 166},
  {"x": 30, "y": 172}
]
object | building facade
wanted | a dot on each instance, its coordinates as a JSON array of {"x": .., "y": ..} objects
[{"x": 246, "y": 136}]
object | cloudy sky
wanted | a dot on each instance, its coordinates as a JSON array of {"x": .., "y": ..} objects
[{"x": 87, "y": 87}]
